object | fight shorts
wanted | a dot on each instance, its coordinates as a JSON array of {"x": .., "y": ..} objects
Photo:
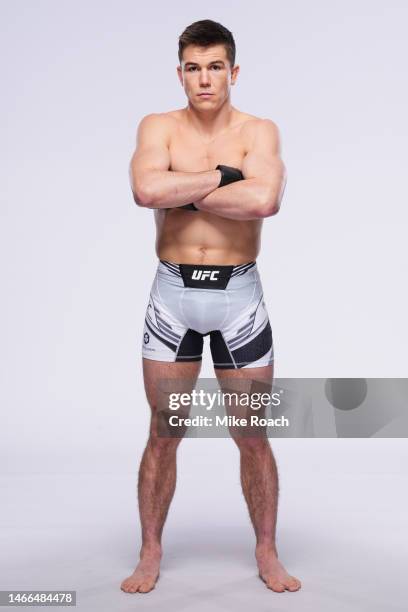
[{"x": 188, "y": 302}]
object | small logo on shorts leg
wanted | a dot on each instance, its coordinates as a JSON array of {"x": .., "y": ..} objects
[{"x": 146, "y": 338}]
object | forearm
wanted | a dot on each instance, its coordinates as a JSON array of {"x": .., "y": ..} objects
[
  {"x": 243, "y": 200},
  {"x": 168, "y": 189}
]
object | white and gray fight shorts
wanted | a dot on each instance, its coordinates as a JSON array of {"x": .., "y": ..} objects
[{"x": 188, "y": 302}]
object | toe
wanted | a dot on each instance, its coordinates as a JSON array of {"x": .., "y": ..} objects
[
  {"x": 293, "y": 584},
  {"x": 276, "y": 586},
  {"x": 145, "y": 587},
  {"x": 128, "y": 586}
]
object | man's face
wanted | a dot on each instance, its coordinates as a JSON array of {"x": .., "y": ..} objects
[{"x": 206, "y": 75}]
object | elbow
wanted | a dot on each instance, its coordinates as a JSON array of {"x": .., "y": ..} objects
[
  {"x": 143, "y": 196},
  {"x": 141, "y": 187},
  {"x": 271, "y": 202},
  {"x": 268, "y": 208},
  {"x": 141, "y": 200}
]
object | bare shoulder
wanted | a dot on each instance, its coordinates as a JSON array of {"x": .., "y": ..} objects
[
  {"x": 155, "y": 126},
  {"x": 257, "y": 126},
  {"x": 159, "y": 121}
]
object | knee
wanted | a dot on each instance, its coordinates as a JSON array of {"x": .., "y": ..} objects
[{"x": 252, "y": 445}]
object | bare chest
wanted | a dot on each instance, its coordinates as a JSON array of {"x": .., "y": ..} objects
[{"x": 189, "y": 154}]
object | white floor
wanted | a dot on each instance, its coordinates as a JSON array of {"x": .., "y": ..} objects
[{"x": 342, "y": 531}]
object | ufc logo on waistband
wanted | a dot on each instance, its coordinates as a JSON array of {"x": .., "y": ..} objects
[{"x": 203, "y": 274}]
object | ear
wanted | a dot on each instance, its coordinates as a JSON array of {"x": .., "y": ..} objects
[
  {"x": 234, "y": 74},
  {"x": 180, "y": 74}
]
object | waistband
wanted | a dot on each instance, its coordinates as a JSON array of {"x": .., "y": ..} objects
[{"x": 205, "y": 276}]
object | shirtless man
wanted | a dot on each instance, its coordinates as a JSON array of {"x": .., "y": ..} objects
[{"x": 208, "y": 220}]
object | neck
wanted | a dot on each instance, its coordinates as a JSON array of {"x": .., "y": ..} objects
[{"x": 209, "y": 123}]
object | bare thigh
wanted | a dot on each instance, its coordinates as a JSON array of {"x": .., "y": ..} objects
[
  {"x": 183, "y": 374},
  {"x": 264, "y": 374},
  {"x": 226, "y": 378}
]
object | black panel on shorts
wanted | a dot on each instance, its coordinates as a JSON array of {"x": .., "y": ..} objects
[
  {"x": 205, "y": 276},
  {"x": 219, "y": 351},
  {"x": 191, "y": 347},
  {"x": 255, "y": 349}
]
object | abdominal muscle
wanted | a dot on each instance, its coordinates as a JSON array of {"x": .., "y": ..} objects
[{"x": 185, "y": 236}]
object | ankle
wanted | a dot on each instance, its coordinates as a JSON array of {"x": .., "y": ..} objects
[
  {"x": 151, "y": 550},
  {"x": 266, "y": 548}
]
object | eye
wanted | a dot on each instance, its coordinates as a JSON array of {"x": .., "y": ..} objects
[
  {"x": 191, "y": 68},
  {"x": 216, "y": 67}
]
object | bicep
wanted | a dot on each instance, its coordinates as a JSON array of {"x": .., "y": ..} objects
[
  {"x": 263, "y": 159},
  {"x": 152, "y": 151}
]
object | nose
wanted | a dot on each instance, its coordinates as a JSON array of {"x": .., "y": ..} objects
[{"x": 204, "y": 77}]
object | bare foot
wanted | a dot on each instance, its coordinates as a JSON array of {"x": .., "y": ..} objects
[
  {"x": 273, "y": 573},
  {"x": 145, "y": 575}
]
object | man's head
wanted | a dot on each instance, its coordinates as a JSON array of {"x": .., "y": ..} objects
[{"x": 207, "y": 63}]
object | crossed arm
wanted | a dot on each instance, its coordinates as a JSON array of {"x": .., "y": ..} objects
[{"x": 258, "y": 196}]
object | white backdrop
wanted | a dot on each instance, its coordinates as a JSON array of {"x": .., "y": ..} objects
[{"x": 78, "y": 255}]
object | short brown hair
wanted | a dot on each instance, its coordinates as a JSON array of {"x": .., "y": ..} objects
[{"x": 206, "y": 33}]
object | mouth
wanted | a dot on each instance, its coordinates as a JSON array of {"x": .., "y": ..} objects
[{"x": 205, "y": 95}]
